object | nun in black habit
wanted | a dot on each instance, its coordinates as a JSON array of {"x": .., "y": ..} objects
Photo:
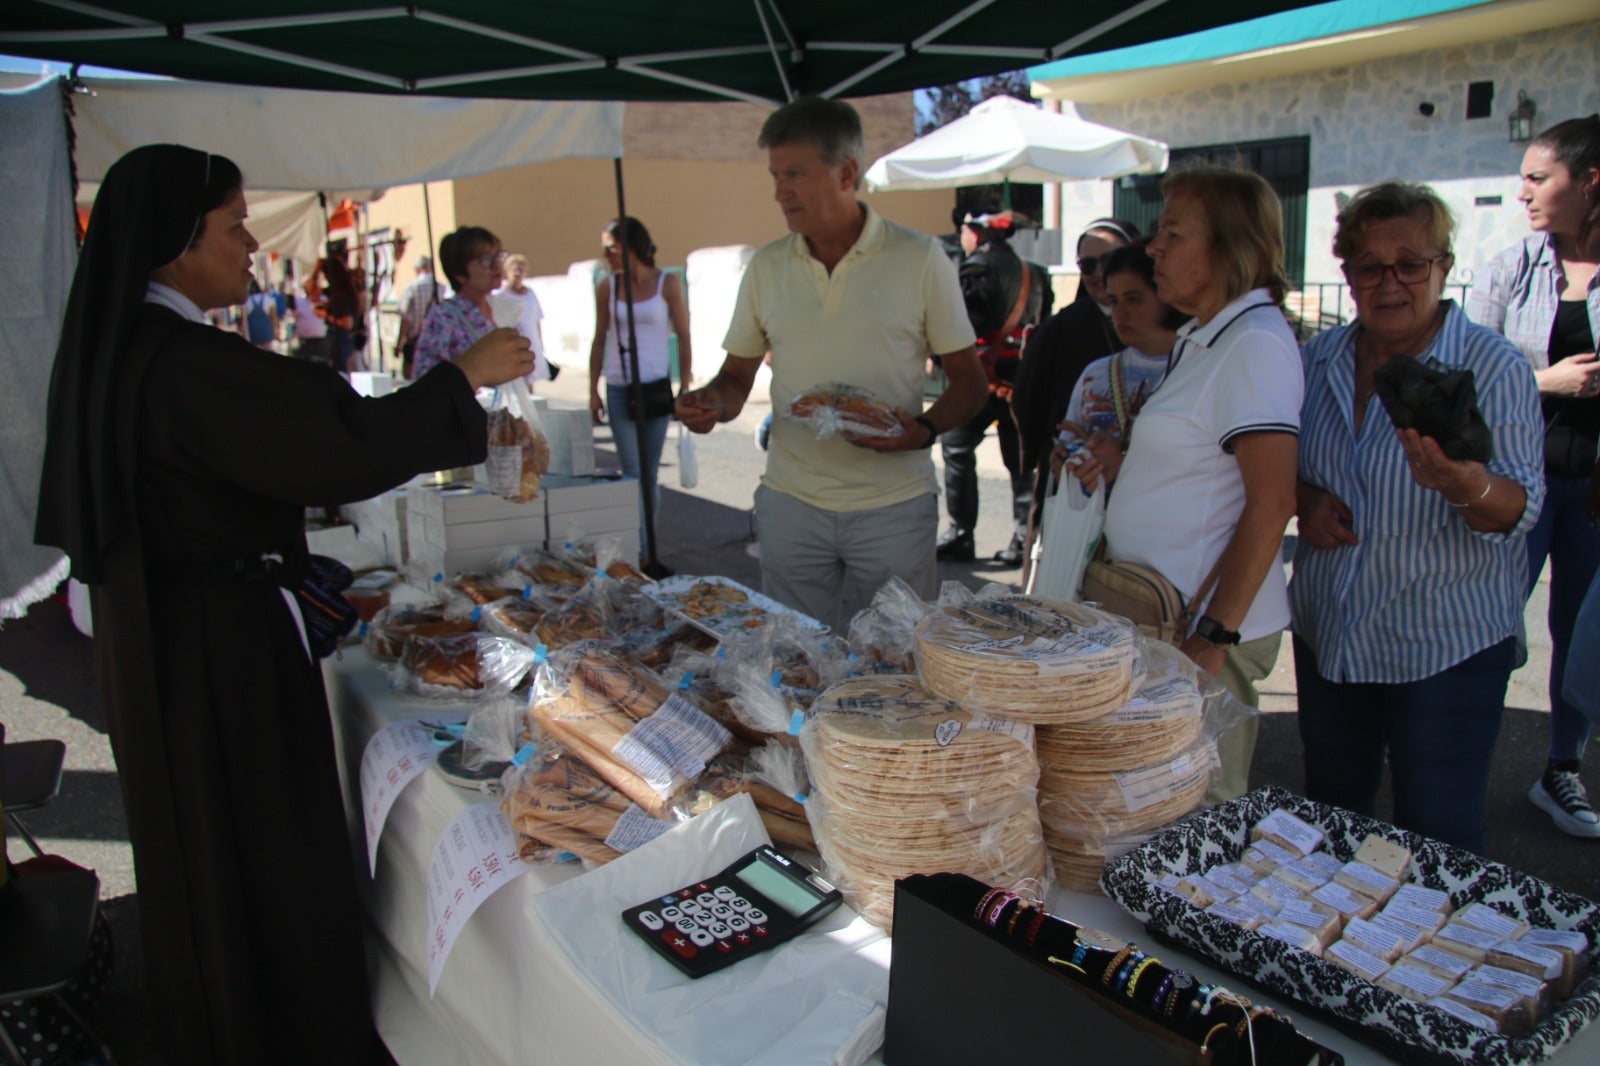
[{"x": 177, "y": 453}]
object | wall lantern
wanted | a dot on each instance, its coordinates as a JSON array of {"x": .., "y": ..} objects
[{"x": 1521, "y": 120}]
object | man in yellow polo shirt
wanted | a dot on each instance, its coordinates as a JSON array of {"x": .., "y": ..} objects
[{"x": 847, "y": 297}]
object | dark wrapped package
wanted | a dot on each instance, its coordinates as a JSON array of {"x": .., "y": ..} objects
[{"x": 1442, "y": 404}]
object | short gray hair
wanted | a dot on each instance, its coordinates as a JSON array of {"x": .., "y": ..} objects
[
  {"x": 1385, "y": 202},
  {"x": 833, "y": 126}
]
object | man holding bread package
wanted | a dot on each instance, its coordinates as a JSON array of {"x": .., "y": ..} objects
[{"x": 850, "y": 306}]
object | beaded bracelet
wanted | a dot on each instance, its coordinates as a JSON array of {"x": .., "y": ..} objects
[
  {"x": 1138, "y": 972},
  {"x": 1162, "y": 990},
  {"x": 1116, "y": 961},
  {"x": 1135, "y": 962},
  {"x": 978, "y": 911},
  {"x": 1038, "y": 923},
  {"x": 1023, "y": 906}
]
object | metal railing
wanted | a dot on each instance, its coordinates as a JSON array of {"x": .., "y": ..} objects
[{"x": 1319, "y": 305}]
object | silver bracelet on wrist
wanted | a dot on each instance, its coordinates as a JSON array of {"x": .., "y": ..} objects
[{"x": 1488, "y": 484}]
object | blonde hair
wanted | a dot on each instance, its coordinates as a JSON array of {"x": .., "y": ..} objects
[
  {"x": 1390, "y": 200},
  {"x": 517, "y": 257},
  {"x": 1245, "y": 218}
]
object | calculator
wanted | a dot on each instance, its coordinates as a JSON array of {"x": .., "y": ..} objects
[{"x": 757, "y": 903}]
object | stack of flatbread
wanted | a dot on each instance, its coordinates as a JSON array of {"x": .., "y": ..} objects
[
  {"x": 1105, "y": 784},
  {"x": 1027, "y": 658},
  {"x": 904, "y": 782}
]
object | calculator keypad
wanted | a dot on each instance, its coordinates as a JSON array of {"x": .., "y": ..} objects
[{"x": 706, "y": 926}]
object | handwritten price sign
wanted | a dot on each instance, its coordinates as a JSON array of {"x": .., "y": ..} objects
[
  {"x": 476, "y": 855},
  {"x": 394, "y": 756}
]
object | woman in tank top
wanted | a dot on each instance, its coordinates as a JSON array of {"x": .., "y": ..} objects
[
  {"x": 659, "y": 310},
  {"x": 1544, "y": 296}
]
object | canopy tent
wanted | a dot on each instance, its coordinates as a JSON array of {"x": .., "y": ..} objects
[
  {"x": 1005, "y": 139},
  {"x": 295, "y": 140},
  {"x": 295, "y": 145},
  {"x": 763, "y": 51},
  {"x": 291, "y": 224}
]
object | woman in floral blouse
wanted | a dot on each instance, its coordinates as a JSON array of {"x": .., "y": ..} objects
[{"x": 471, "y": 258}]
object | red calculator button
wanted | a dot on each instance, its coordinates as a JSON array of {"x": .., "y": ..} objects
[
  {"x": 743, "y": 938},
  {"x": 685, "y": 893},
  {"x": 759, "y": 930},
  {"x": 680, "y": 943},
  {"x": 702, "y": 887},
  {"x": 724, "y": 947}
]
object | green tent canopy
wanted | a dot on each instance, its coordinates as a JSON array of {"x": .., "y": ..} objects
[{"x": 762, "y": 51}]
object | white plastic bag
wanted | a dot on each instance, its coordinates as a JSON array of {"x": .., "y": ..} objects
[
  {"x": 1068, "y": 534},
  {"x": 688, "y": 465}
]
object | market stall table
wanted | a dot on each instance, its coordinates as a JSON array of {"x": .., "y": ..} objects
[{"x": 511, "y": 987}]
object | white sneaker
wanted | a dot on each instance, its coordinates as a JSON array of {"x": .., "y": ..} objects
[{"x": 1560, "y": 794}]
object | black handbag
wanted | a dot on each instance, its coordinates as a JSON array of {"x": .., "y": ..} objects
[
  {"x": 656, "y": 397},
  {"x": 318, "y": 592},
  {"x": 329, "y": 617}
]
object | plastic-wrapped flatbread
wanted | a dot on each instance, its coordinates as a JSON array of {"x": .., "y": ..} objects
[{"x": 1028, "y": 658}]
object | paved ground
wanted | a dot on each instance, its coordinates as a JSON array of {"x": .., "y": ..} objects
[{"x": 47, "y": 690}]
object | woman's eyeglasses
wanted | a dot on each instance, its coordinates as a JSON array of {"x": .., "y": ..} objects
[
  {"x": 1406, "y": 272},
  {"x": 609, "y": 248},
  {"x": 1089, "y": 264},
  {"x": 489, "y": 261}
]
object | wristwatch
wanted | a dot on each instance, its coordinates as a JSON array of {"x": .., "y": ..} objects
[
  {"x": 1212, "y": 631},
  {"x": 927, "y": 423}
]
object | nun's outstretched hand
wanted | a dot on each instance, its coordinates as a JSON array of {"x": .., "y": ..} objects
[{"x": 496, "y": 358}]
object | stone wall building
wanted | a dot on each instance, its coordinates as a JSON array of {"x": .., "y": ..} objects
[{"x": 1357, "y": 108}]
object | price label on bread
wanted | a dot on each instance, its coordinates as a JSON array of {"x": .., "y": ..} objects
[
  {"x": 848, "y": 411},
  {"x": 518, "y": 458}
]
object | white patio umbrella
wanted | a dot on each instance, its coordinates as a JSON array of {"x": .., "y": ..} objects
[{"x": 1004, "y": 139}]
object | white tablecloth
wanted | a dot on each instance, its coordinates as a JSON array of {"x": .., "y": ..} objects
[{"x": 517, "y": 988}]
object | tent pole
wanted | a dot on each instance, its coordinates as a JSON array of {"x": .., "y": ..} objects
[
  {"x": 427, "y": 221},
  {"x": 647, "y": 473}
]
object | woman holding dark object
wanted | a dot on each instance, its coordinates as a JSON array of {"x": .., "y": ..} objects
[
  {"x": 659, "y": 312},
  {"x": 1408, "y": 573},
  {"x": 1544, "y": 296},
  {"x": 1216, "y": 440},
  {"x": 471, "y": 259},
  {"x": 178, "y": 462},
  {"x": 1055, "y": 356}
]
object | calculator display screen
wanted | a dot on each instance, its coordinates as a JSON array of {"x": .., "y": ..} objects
[{"x": 777, "y": 887}]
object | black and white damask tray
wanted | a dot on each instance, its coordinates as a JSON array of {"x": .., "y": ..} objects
[{"x": 1403, "y": 1029}]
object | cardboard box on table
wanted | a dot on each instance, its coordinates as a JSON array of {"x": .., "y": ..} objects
[
  {"x": 593, "y": 507},
  {"x": 464, "y": 526},
  {"x": 381, "y": 523}
]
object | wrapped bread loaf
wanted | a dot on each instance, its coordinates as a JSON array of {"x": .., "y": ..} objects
[
  {"x": 386, "y": 635},
  {"x": 518, "y": 458},
  {"x": 844, "y": 410}
]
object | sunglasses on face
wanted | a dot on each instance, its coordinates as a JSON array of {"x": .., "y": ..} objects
[
  {"x": 1089, "y": 264},
  {"x": 1406, "y": 272}
]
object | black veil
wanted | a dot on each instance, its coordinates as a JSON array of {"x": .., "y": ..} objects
[{"x": 148, "y": 212}]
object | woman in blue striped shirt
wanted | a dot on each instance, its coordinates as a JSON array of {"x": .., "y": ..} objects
[{"x": 1407, "y": 593}]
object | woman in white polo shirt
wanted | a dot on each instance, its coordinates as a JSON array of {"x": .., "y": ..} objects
[{"x": 1208, "y": 483}]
